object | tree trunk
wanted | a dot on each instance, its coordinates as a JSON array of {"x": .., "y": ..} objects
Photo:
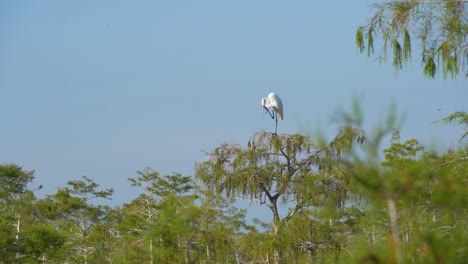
[
  {"x": 394, "y": 233},
  {"x": 151, "y": 250},
  {"x": 18, "y": 229},
  {"x": 392, "y": 212},
  {"x": 278, "y": 257},
  {"x": 276, "y": 230},
  {"x": 188, "y": 245}
]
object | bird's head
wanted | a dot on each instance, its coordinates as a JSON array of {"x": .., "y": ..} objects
[{"x": 264, "y": 100}]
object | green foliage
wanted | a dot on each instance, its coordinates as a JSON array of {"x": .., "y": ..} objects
[
  {"x": 461, "y": 118},
  {"x": 335, "y": 201},
  {"x": 167, "y": 224},
  {"x": 86, "y": 188},
  {"x": 281, "y": 172},
  {"x": 439, "y": 26},
  {"x": 429, "y": 192},
  {"x": 360, "y": 39},
  {"x": 42, "y": 241},
  {"x": 74, "y": 223},
  {"x": 430, "y": 67},
  {"x": 397, "y": 55},
  {"x": 13, "y": 181},
  {"x": 16, "y": 206},
  {"x": 320, "y": 240}
]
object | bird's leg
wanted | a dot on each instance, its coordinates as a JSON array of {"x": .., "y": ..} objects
[
  {"x": 276, "y": 125},
  {"x": 272, "y": 115}
]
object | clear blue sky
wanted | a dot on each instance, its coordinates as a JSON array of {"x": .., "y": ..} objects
[{"x": 106, "y": 88}]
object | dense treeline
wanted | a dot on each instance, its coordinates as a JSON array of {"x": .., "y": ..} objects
[{"x": 330, "y": 201}]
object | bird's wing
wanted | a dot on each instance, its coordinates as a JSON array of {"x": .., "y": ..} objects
[{"x": 279, "y": 106}]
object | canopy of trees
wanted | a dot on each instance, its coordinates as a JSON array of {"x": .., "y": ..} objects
[{"x": 330, "y": 201}]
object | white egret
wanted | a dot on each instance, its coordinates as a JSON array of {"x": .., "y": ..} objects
[{"x": 273, "y": 102}]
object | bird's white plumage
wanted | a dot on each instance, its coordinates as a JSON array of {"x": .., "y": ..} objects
[{"x": 274, "y": 103}]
